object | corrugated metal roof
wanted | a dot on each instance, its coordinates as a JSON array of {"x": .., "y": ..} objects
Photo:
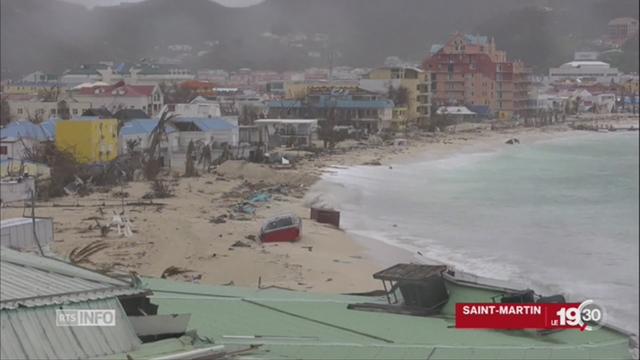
[
  {"x": 297, "y": 325},
  {"x": 28, "y": 280},
  {"x": 177, "y": 348},
  {"x": 31, "y": 333},
  {"x": 24, "y": 129}
]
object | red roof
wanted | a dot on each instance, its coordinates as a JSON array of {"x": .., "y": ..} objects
[
  {"x": 197, "y": 85},
  {"x": 119, "y": 90}
]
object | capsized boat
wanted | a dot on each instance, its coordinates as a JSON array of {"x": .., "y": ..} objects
[{"x": 283, "y": 228}]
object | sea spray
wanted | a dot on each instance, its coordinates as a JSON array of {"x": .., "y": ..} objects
[{"x": 558, "y": 216}]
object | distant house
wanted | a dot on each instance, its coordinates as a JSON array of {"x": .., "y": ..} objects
[
  {"x": 585, "y": 71},
  {"x": 21, "y": 135},
  {"x": 457, "y": 113},
  {"x": 619, "y": 30},
  {"x": 89, "y": 139},
  {"x": 148, "y": 98},
  {"x": 216, "y": 132},
  {"x": 208, "y": 130},
  {"x": 286, "y": 132},
  {"x": 206, "y": 109},
  {"x": 350, "y": 106},
  {"x": 30, "y": 106},
  {"x": 84, "y": 73},
  {"x": 135, "y": 74},
  {"x": 152, "y": 74},
  {"x": 42, "y": 77}
]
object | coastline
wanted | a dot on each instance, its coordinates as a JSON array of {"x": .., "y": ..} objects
[{"x": 190, "y": 231}]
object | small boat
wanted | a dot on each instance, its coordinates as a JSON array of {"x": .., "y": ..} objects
[{"x": 284, "y": 228}]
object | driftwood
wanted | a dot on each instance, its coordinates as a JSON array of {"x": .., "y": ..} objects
[
  {"x": 80, "y": 255},
  {"x": 174, "y": 270}
]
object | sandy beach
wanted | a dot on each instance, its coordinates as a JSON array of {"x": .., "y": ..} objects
[{"x": 197, "y": 229}]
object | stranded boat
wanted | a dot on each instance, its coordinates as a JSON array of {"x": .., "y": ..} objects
[{"x": 284, "y": 228}]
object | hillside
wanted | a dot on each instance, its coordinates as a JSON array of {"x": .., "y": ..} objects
[{"x": 52, "y": 35}]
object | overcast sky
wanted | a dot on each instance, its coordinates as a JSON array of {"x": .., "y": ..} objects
[{"x": 92, "y": 3}]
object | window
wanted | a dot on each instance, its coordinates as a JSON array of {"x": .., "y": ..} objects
[
  {"x": 3, "y": 150},
  {"x": 75, "y": 111},
  {"x": 53, "y": 111},
  {"x": 19, "y": 111}
]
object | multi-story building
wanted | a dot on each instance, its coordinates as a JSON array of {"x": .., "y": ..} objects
[
  {"x": 36, "y": 109},
  {"x": 416, "y": 82},
  {"x": 148, "y": 98},
  {"x": 585, "y": 71},
  {"x": 619, "y": 30},
  {"x": 349, "y": 106},
  {"x": 469, "y": 70}
]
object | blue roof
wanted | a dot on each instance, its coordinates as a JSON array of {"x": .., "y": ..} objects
[
  {"x": 142, "y": 127},
  {"x": 435, "y": 48},
  {"x": 366, "y": 104},
  {"x": 49, "y": 128},
  {"x": 476, "y": 39},
  {"x": 207, "y": 124},
  {"x": 25, "y": 129}
]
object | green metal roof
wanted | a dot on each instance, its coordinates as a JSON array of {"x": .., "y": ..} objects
[
  {"x": 300, "y": 325},
  {"x": 32, "y": 333},
  {"x": 172, "y": 346}
]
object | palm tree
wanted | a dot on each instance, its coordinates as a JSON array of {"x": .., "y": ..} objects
[{"x": 157, "y": 136}]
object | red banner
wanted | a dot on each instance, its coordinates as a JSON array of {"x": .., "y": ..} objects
[{"x": 519, "y": 316}]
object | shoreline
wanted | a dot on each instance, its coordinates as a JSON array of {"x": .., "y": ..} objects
[{"x": 196, "y": 230}]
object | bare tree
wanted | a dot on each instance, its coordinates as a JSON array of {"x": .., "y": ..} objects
[
  {"x": 399, "y": 95},
  {"x": 190, "y": 169},
  {"x": 5, "y": 112}
]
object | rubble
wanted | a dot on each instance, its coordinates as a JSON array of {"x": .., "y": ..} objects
[
  {"x": 173, "y": 270},
  {"x": 240, "y": 243}
]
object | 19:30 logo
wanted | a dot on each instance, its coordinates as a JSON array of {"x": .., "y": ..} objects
[{"x": 588, "y": 316}]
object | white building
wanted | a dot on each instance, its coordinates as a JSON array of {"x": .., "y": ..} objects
[
  {"x": 22, "y": 135},
  {"x": 148, "y": 98},
  {"x": 34, "y": 108},
  {"x": 585, "y": 71},
  {"x": 135, "y": 74},
  {"x": 208, "y": 109}
]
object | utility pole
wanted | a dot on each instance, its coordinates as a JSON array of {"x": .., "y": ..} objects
[{"x": 331, "y": 55}]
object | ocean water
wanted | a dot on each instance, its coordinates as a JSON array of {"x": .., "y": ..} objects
[{"x": 559, "y": 216}]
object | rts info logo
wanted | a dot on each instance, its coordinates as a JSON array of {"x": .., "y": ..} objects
[{"x": 85, "y": 317}]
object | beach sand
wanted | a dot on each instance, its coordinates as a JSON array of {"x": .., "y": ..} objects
[{"x": 178, "y": 231}]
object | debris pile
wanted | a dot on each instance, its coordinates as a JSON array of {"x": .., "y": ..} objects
[{"x": 160, "y": 189}]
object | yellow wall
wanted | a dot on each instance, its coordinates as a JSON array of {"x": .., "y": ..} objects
[
  {"x": 91, "y": 141},
  {"x": 410, "y": 84},
  {"x": 632, "y": 87}
]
